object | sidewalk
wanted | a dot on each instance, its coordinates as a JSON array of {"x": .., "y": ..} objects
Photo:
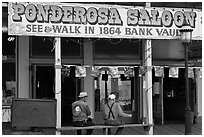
[{"x": 166, "y": 129}]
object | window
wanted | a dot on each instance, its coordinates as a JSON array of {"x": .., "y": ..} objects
[
  {"x": 8, "y": 83},
  {"x": 8, "y": 45},
  {"x": 8, "y": 69},
  {"x": 117, "y": 49},
  {"x": 44, "y": 47}
]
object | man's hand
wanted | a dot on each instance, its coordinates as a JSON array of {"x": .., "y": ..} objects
[{"x": 130, "y": 115}]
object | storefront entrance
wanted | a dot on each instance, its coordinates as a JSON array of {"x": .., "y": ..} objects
[
  {"x": 43, "y": 82},
  {"x": 43, "y": 88},
  {"x": 123, "y": 81},
  {"x": 175, "y": 98},
  {"x": 71, "y": 86}
]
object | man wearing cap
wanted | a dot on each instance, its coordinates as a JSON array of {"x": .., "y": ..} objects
[
  {"x": 81, "y": 113},
  {"x": 113, "y": 111}
]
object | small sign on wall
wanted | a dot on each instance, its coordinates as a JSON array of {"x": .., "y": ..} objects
[{"x": 156, "y": 88}]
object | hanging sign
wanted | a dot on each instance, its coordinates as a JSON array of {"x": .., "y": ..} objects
[
  {"x": 80, "y": 71},
  {"x": 159, "y": 71},
  {"x": 104, "y": 21},
  {"x": 200, "y": 73},
  {"x": 190, "y": 72},
  {"x": 173, "y": 72}
]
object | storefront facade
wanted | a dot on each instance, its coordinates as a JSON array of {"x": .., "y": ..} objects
[{"x": 101, "y": 50}]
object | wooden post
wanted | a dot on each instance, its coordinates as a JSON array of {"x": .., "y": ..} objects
[
  {"x": 148, "y": 84},
  {"x": 148, "y": 81},
  {"x": 58, "y": 67},
  {"x": 22, "y": 74},
  {"x": 88, "y": 80},
  {"x": 161, "y": 99}
]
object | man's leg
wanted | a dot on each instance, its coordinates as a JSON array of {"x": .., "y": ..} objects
[
  {"x": 78, "y": 132},
  {"x": 108, "y": 133},
  {"x": 119, "y": 131},
  {"x": 89, "y": 131},
  {"x": 78, "y": 124}
]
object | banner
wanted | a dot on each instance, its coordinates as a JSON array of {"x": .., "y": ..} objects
[
  {"x": 80, "y": 71},
  {"x": 190, "y": 72},
  {"x": 102, "y": 21},
  {"x": 173, "y": 72},
  {"x": 159, "y": 71}
]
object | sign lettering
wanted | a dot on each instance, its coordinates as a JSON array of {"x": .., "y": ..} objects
[{"x": 77, "y": 20}]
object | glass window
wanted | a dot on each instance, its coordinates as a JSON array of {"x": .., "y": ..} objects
[
  {"x": 124, "y": 89},
  {"x": 44, "y": 47},
  {"x": 8, "y": 69},
  {"x": 8, "y": 45},
  {"x": 72, "y": 47},
  {"x": 8, "y": 83},
  {"x": 116, "y": 49}
]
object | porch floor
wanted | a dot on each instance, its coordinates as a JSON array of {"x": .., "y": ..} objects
[{"x": 166, "y": 129}]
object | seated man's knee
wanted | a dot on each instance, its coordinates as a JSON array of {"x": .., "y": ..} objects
[{"x": 89, "y": 131}]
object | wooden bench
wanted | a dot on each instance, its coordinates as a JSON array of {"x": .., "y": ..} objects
[{"x": 146, "y": 127}]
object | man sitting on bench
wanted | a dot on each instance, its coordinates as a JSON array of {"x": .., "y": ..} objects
[
  {"x": 113, "y": 111},
  {"x": 81, "y": 113}
]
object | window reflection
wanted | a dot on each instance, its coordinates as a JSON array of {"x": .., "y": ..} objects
[
  {"x": 44, "y": 47},
  {"x": 8, "y": 83}
]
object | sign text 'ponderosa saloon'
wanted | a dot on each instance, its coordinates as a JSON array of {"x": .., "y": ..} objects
[{"x": 104, "y": 21}]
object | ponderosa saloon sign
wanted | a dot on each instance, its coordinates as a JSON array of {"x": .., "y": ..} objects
[{"x": 104, "y": 21}]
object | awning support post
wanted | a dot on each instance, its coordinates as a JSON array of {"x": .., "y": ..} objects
[
  {"x": 147, "y": 62},
  {"x": 148, "y": 84},
  {"x": 58, "y": 66}
]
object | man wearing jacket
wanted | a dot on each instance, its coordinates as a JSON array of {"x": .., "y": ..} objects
[{"x": 81, "y": 113}]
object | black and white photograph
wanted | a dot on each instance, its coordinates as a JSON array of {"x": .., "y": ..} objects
[{"x": 101, "y": 67}]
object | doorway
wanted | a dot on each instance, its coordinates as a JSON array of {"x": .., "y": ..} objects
[
  {"x": 43, "y": 82},
  {"x": 174, "y": 100},
  {"x": 71, "y": 86},
  {"x": 123, "y": 81}
]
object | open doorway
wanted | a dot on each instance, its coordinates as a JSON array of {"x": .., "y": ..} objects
[
  {"x": 123, "y": 81},
  {"x": 71, "y": 86},
  {"x": 174, "y": 100},
  {"x": 175, "y": 97},
  {"x": 43, "y": 81}
]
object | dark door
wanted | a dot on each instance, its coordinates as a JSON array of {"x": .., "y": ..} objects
[
  {"x": 70, "y": 90},
  {"x": 43, "y": 82},
  {"x": 43, "y": 88},
  {"x": 174, "y": 100}
]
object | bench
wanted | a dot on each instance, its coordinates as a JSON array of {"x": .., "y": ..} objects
[{"x": 146, "y": 127}]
